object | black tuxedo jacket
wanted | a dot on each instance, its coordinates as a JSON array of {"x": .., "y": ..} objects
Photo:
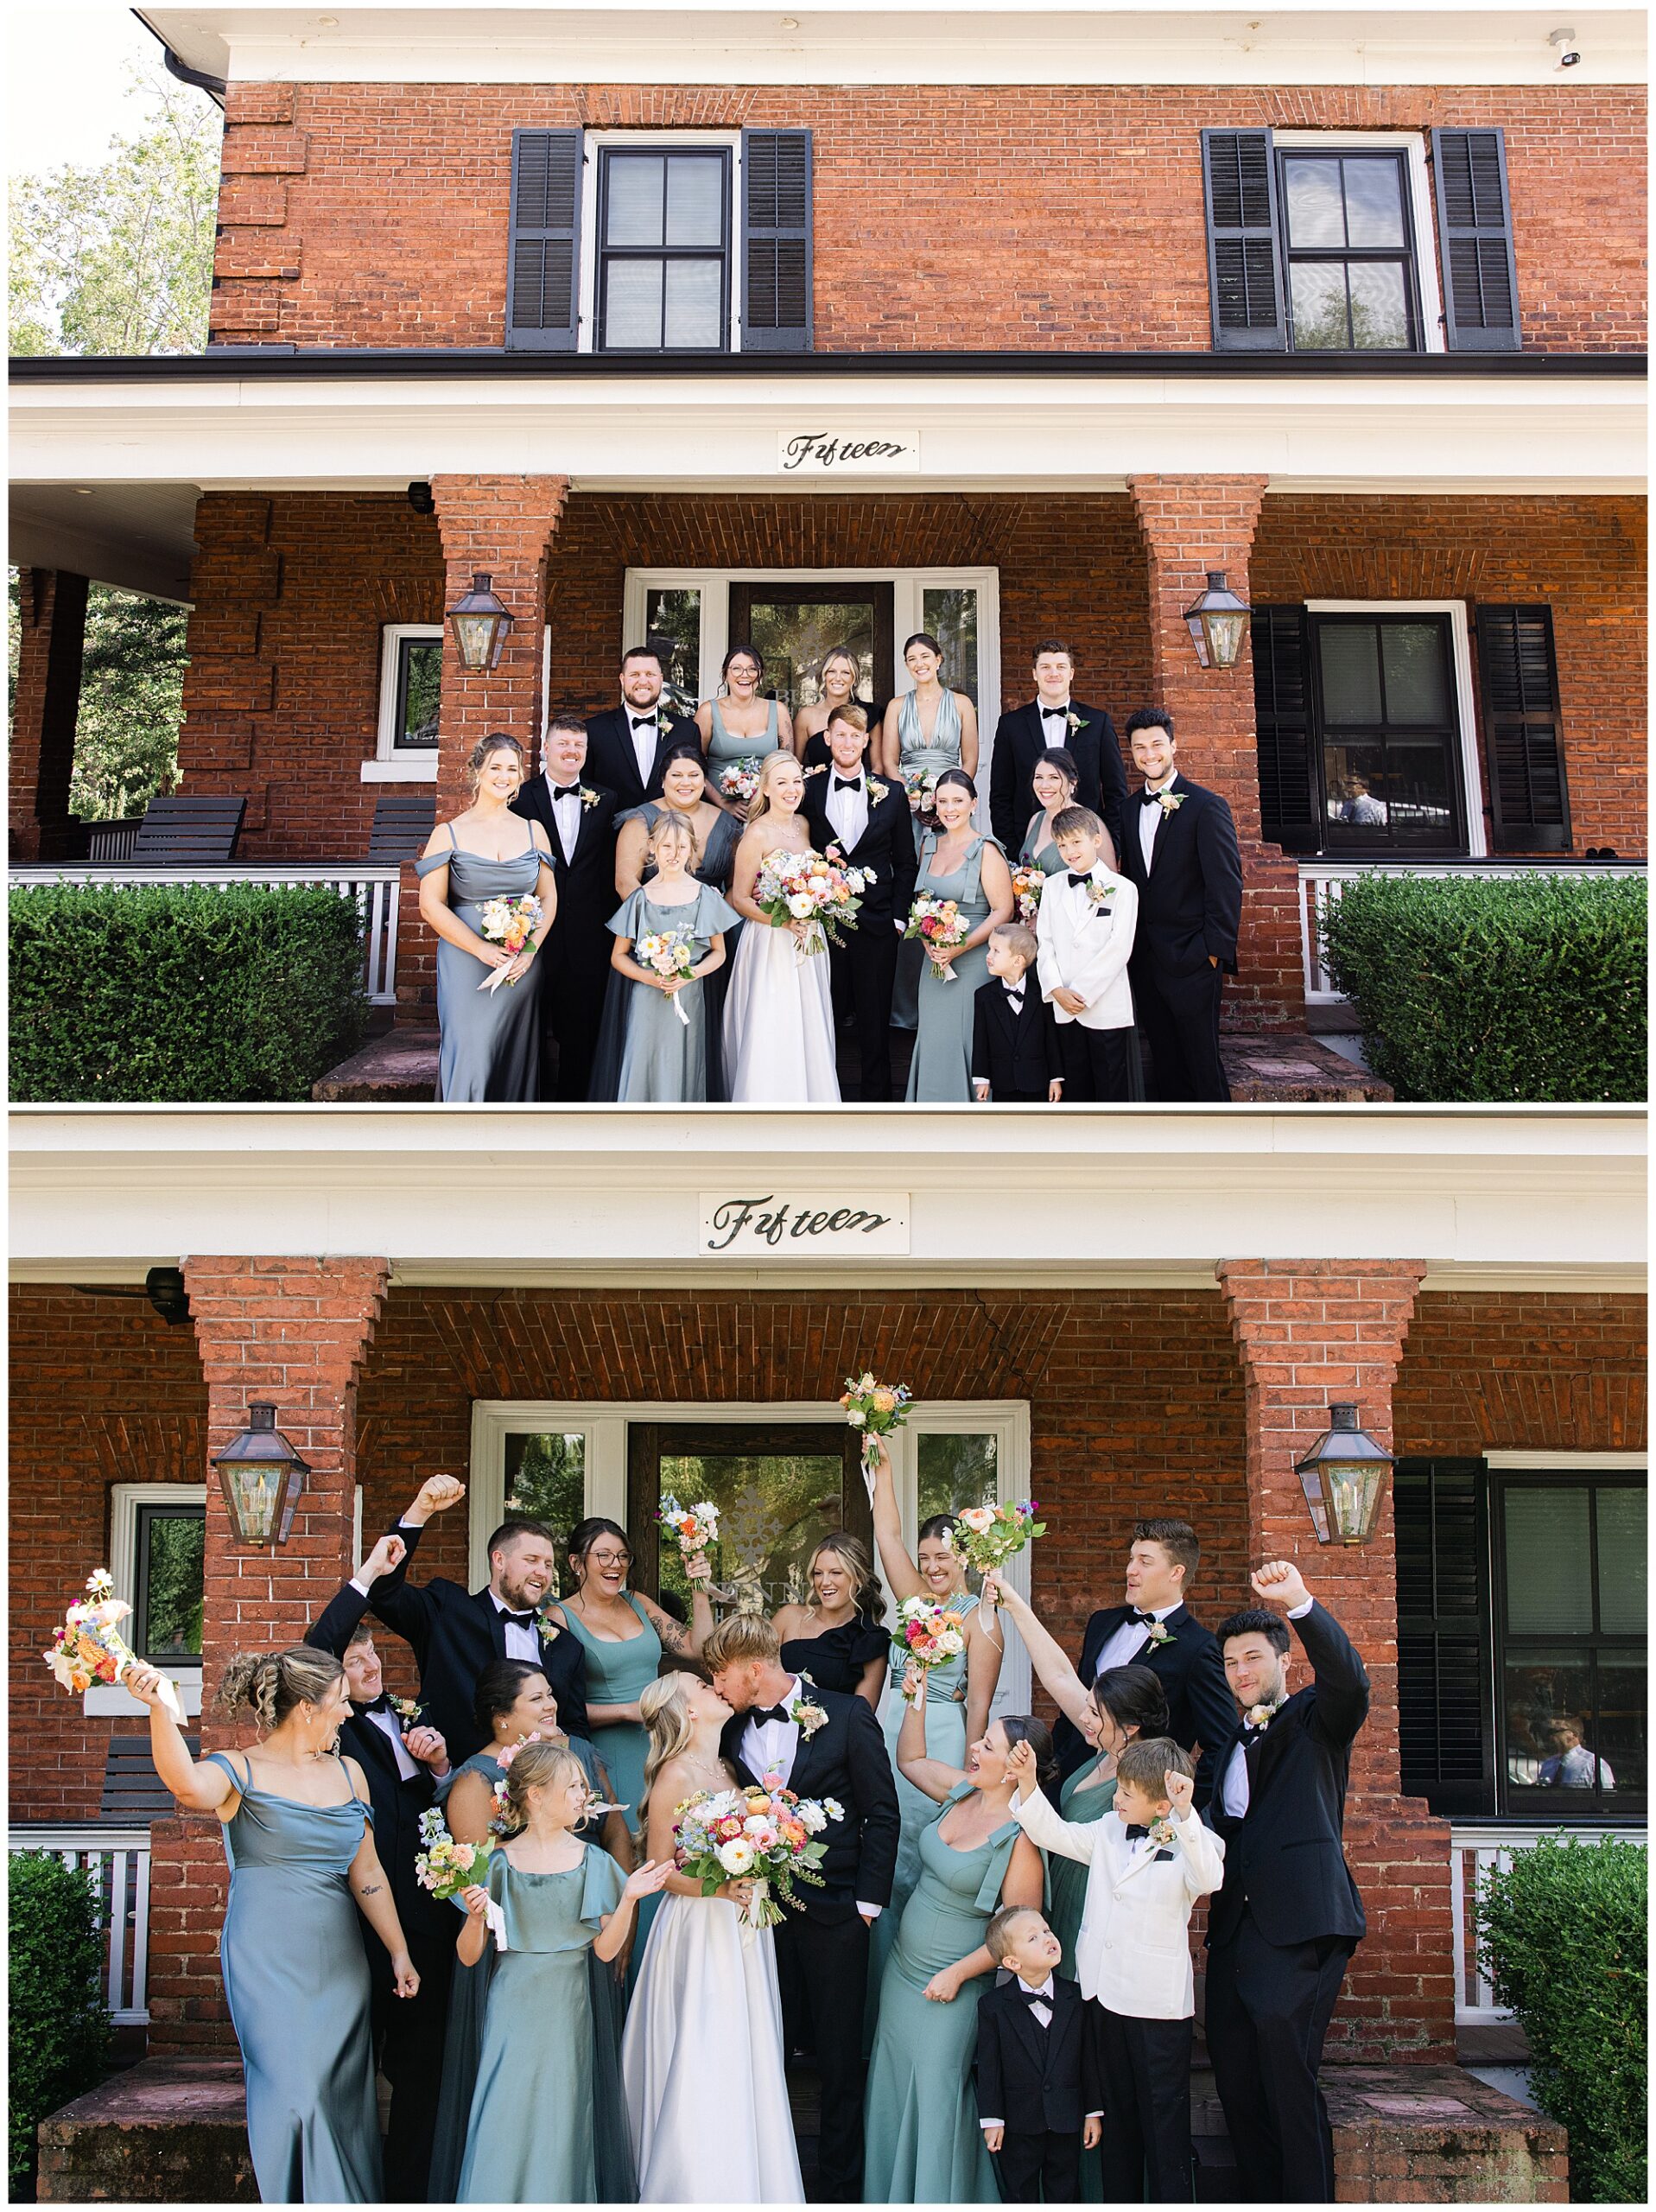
[
  {"x": 1017, "y": 1055},
  {"x": 1033, "y": 2079},
  {"x": 886, "y": 846},
  {"x": 612, "y": 761},
  {"x": 1285, "y": 1857},
  {"x": 454, "y": 1633},
  {"x": 1191, "y": 1671},
  {"x": 847, "y": 1759},
  {"x": 587, "y": 883},
  {"x": 1190, "y": 900},
  {"x": 1019, "y": 743}
]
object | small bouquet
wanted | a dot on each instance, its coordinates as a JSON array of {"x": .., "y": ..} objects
[
  {"x": 1028, "y": 883},
  {"x": 876, "y": 1409},
  {"x": 511, "y": 922},
  {"x": 920, "y": 786},
  {"x": 928, "y": 1635},
  {"x": 668, "y": 952},
  {"x": 740, "y": 780},
  {"x": 444, "y": 1866},
  {"x": 763, "y": 1833},
  {"x": 938, "y": 923},
  {"x": 991, "y": 1535},
  {"x": 89, "y": 1647},
  {"x": 695, "y": 1527},
  {"x": 806, "y": 887}
]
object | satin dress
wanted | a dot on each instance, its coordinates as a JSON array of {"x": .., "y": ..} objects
[{"x": 491, "y": 1040}]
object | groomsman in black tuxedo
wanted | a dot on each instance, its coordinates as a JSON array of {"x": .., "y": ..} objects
[
  {"x": 1015, "y": 1055},
  {"x": 579, "y": 818},
  {"x": 868, "y": 821},
  {"x": 1153, "y": 1628},
  {"x": 455, "y": 1632},
  {"x": 628, "y": 746},
  {"x": 404, "y": 1762},
  {"x": 1281, "y": 1930},
  {"x": 1181, "y": 850},
  {"x": 1054, "y": 721},
  {"x": 823, "y": 1745}
]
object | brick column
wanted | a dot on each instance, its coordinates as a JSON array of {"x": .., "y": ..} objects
[
  {"x": 295, "y": 1331},
  {"x": 52, "y": 605},
  {"x": 1310, "y": 1332},
  {"x": 1190, "y": 524}
]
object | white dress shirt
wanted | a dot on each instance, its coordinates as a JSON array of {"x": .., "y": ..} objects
[
  {"x": 847, "y": 811},
  {"x": 1124, "y": 1645},
  {"x": 566, "y": 815},
  {"x": 1055, "y": 735},
  {"x": 388, "y": 1725},
  {"x": 1150, "y": 821},
  {"x": 520, "y": 1643},
  {"x": 1233, "y": 1790},
  {"x": 644, "y": 741}
]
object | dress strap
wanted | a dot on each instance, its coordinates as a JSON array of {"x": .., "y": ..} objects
[
  {"x": 453, "y": 841},
  {"x": 217, "y": 1758},
  {"x": 770, "y": 736},
  {"x": 1000, "y": 1846}
]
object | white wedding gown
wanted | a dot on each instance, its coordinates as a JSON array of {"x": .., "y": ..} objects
[
  {"x": 778, "y": 1022},
  {"x": 701, "y": 2063}
]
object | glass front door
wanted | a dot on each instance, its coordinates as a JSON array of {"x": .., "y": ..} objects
[{"x": 796, "y": 626}]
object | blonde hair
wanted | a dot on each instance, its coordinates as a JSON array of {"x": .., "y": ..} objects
[
  {"x": 852, "y": 712},
  {"x": 760, "y": 802},
  {"x": 496, "y": 741},
  {"x": 1019, "y": 938},
  {"x": 537, "y": 1766},
  {"x": 741, "y": 1637},
  {"x": 669, "y": 824},
  {"x": 998, "y": 1936},
  {"x": 865, "y": 1584},
  {"x": 1145, "y": 1762},
  {"x": 667, "y": 1718},
  {"x": 271, "y": 1684}
]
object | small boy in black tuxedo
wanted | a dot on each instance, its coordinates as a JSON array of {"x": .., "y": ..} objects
[
  {"x": 1035, "y": 2062},
  {"x": 1014, "y": 1032}
]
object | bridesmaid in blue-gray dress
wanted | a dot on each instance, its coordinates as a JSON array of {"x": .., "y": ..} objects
[
  {"x": 925, "y": 730},
  {"x": 299, "y": 1837},
  {"x": 664, "y": 1057},
  {"x": 491, "y": 1038},
  {"x": 742, "y": 726},
  {"x": 955, "y": 864},
  {"x": 1055, "y": 781}
]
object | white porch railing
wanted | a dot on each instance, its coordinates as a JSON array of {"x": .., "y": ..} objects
[
  {"x": 375, "y": 887},
  {"x": 117, "y": 1861},
  {"x": 1322, "y": 882},
  {"x": 1473, "y": 1852}
]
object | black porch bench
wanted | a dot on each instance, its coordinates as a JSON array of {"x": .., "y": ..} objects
[{"x": 190, "y": 831}]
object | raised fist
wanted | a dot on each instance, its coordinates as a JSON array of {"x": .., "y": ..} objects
[{"x": 1278, "y": 1583}]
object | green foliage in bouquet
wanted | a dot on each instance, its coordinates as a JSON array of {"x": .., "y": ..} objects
[{"x": 59, "y": 2028}]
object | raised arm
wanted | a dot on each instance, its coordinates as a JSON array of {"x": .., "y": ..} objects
[
  {"x": 935, "y": 1777},
  {"x": 984, "y": 1653},
  {"x": 197, "y": 1787},
  {"x": 900, "y": 1570},
  {"x": 407, "y": 1612},
  {"x": 1070, "y": 1838},
  {"x": 1052, "y": 1667},
  {"x": 1341, "y": 1678}
]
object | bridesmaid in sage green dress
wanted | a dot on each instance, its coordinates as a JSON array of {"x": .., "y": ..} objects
[
  {"x": 922, "y": 2143},
  {"x": 1055, "y": 779},
  {"x": 664, "y": 1054},
  {"x": 744, "y": 726},
  {"x": 925, "y": 730},
  {"x": 299, "y": 1838},
  {"x": 956, "y": 863}
]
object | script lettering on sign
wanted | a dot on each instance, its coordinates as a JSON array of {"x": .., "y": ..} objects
[
  {"x": 835, "y": 452},
  {"x": 755, "y": 1222}
]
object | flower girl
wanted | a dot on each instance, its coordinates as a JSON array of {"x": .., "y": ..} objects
[{"x": 669, "y": 935}]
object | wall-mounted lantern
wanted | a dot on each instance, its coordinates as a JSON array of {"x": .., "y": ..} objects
[
  {"x": 1343, "y": 1475},
  {"x": 262, "y": 1477}
]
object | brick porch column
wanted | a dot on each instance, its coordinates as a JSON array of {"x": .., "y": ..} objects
[
  {"x": 1312, "y": 1332},
  {"x": 296, "y": 1331},
  {"x": 1190, "y": 524},
  {"x": 50, "y": 638}
]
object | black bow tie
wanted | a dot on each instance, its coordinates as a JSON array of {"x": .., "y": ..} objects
[
  {"x": 518, "y": 1620},
  {"x": 564, "y": 790},
  {"x": 381, "y": 1704},
  {"x": 1135, "y": 1832},
  {"x": 645, "y": 721},
  {"x": 1036, "y": 1996},
  {"x": 1139, "y": 1614},
  {"x": 1147, "y": 798},
  {"x": 841, "y": 784},
  {"x": 1079, "y": 879},
  {"x": 763, "y": 1712},
  {"x": 1062, "y": 714},
  {"x": 1016, "y": 996}
]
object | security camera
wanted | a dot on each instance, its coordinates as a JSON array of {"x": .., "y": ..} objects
[{"x": 1566, "y": 53}]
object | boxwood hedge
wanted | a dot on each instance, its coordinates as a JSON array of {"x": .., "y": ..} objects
[{"x": 59, "y": 2024}]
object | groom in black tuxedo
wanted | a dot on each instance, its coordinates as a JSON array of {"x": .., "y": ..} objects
[
  {"x": 822, "y": 1745},
  {"x": 1153, "y": 1628},
  {"x": 1281, "y": 1930},
  {"x": 628, "y": 746},
  {"x": 1054, "y": 721},
  {"x": 867, "y": 821},
  {"x": 579, "y": 818},
  {"x": 1181, "y": 851}
]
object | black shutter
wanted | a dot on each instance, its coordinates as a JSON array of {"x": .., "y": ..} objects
[
  {"x": 1474, "y": 241},
  {"x": 542, "y": 299},
  {"x": 1238, "y": 173},
  {"x": 1523, "y": 729},
  {"x": 1445, "y": 1718},
  {"x": 777, "y": 312},
  {"x": 1289, "y": 785}
]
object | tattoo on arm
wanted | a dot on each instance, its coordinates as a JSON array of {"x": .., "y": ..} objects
[
  {"x": 371, "y": 1889},
  {"x": 671, "y": 1633}
]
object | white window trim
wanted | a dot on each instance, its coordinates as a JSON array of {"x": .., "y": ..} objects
[
  {"x": 1568, "y": 1463},
  {"x": 596, "y": 142},
  {"x": 1420, "y": 207},
  {"x": 1460, "y": 640},
  {"x": 389, "y": 766},
  {"x": 603, "y": 1427}
]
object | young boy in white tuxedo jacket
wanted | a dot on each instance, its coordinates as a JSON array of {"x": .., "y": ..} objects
[
  {"x": 1084, "y": 928},
  {"x": 1147, "y": 1865}
]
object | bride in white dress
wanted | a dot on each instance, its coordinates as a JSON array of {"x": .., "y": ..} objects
[
  {"x": 779, "y": 1012},
  {"x": 701, "y": 2063}
]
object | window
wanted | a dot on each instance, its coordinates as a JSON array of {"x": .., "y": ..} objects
[
  {"x": 410, "y": 688},
  {"x": 664, "y": 238},
  {"x": 170, "y": 1548},
  {"x": 546, "y": 1480},
  {"x": 1347, "y": 243},
  {"x": 1385, "y": 692}
]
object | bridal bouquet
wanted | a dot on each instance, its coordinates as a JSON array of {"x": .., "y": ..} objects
[
  {"x": 89, "y": 1647},
  {"x": 444, "y": 1866},
  {"x": 928, "y": 1634},
  {"x": 938, "y": 923},
  {"x": 1028, "y": 883},
  {"x": 990, "y": 1534},
  {"x": 876, "y": 1409},
  {"x": 668, "y": 952},
  {"x": 511, "y": 922},
  {"x": 740, "y": 780},
  {"x": 806, "y": 887},
  {"x": 763, "y": 1833}
]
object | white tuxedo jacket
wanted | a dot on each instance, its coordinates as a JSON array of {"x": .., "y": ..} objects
[
  {"x": 1134, "y": 1952},
  {"x": 1084, "y": 947}
]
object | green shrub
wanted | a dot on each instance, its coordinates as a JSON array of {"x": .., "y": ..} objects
[
  {"x": 1562, "y": 1933},
  {"x": 181, "y": 992},
  {"x": 59, "y": 2024},
  {"x": 1524, "y": 989}
]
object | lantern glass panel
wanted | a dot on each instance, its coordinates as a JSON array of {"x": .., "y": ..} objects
[
  {"x": 1225, "y": 636},
  {"x": 1351, "y": 1490}
]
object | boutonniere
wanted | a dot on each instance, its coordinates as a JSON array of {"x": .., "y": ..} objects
[
  {"x": 588, "y": 795},
  {"x": 1169, "y": 801},
  {"x": 1073, "y": 722},
  {"x": 821, "y": 769},
  {"x": 1164, "y": 1835},
  {"x": 1159, "y": 1632},
  {"x": 807, "y": 1718},
  {"x": 1260, "y": 1717},
  {"x": 407, "y": 1710},
  {"x": 877, "y": 792},
  {"x": 1099, "y": 894},
  {"x": 546, "y": 1628}
]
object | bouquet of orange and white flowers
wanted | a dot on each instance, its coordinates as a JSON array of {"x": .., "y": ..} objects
[
  {"x": 668, "y": 952},
  {"x": 740, "y": 780},
  {"x": 511, "y": 923},
  {"x": 990, "y": 1534},
  {"x": 695, "y": 1527},
  {"x": 89, "y": 1647},
  {"x": 928, "y": 1634},
  {"x": 763, "y": 1834},
  {"x": 1028, "y": 883},
  {"x": 938, "y": 923},
  {"x": 809, "y": 888},
  {"x": 874, "y": 1408},
  {"x": 444, "y": 1866},
  {"x": 920, "y": 786}
]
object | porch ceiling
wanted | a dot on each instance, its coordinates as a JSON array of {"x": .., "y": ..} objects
[{"x": 139, "y": 536}]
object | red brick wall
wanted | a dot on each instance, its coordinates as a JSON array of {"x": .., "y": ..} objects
[
  {"x": 997, "y": 216},
  {"x": 1523, "y": 1372}
]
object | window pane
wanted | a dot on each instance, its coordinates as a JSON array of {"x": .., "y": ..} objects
[
  {"x": 1549, "y": 1568},
  {"x": 773, "y": 1510},
  {"x": 950, "y": 614},
  {"x": 673, "y": 622},
  {"x": 633, "y": 185},
  {"x": 1317, "y": 294},
  {"x": 546, "y": 1479},
  {"x": 795, "y": 638},
  {"x": 1623, "y": 1561},
  {"x": 695, "y": 303},
  {"x": 633, "y": 303},
  {"x": 695, "y": 201},
  {"x": 1356, "y": 785},
  {"x": 1419, "y": 788},
  {"x": 1314, "y": 214},
  {"x": 1624, "y": 1764},
  {"x": 1544, "y": 1695},
  {"x": 1417, "y": 674},
  {"x": 1380, "y": 308},
  {"x": 1350, "y": 664},
  {"x": 173, "y": 1546},
  {"x": 420, "y": 678},
  {"x": 1374, "y": 202},
  {"x": 955, "y": 1471}
]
